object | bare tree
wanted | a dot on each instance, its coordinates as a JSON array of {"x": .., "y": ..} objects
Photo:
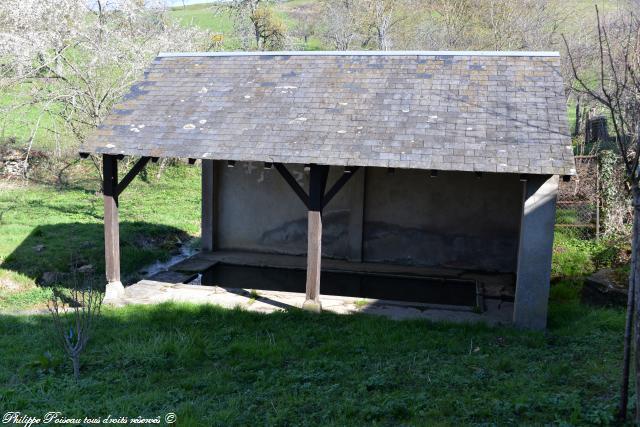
[
  {"x": 306, "y": 17},
  {"x": 449, "y": 25},
  {"x": 493, "y": 24},
  {"x": 78, "y": 58},
  {"x": 341, "y": 23},
  {"x": 383, "y": 16},
  {"x": 616, "y": 88},
  {"x": 74, "y": 321}
]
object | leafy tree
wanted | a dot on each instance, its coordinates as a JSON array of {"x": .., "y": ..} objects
[
  {"x": 270, "y": 31},
  {"x": 257, "y": 25}
]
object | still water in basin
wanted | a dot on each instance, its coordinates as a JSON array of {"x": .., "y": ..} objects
[{"x": 360, "y": 285}]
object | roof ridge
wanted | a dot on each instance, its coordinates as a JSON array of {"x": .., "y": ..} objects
[{"x": 365, "y": 53}]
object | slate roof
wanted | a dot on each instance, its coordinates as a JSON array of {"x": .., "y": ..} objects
[{"x": 466, "y": 111}]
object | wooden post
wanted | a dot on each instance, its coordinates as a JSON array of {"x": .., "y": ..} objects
[
  {"x": 317, "y": 184},
  {"x": 114, "y": 288},
  {"x": 314, "y": 259},
  {"x": 207, "y": 205},
  {"x": 315, "y": 201}
]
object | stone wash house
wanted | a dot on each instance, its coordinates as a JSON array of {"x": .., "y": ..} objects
[{"x": 441, "y": 165}]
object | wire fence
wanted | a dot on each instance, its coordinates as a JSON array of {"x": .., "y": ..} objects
[{"x": 578, "y": 208}]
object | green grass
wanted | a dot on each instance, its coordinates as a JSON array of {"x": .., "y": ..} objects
[
  {"x": 20, "y": 120},
  {"x": 154, "y": 217},
  {"x": 204, "y": 16},
  {"x": 220, "y": 21},
  {"x": 212, "y": 366}
]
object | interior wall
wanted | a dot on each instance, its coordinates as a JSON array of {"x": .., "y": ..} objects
[
  {"x": 405, "y": 217},
  {"x": 255, "y": 209},
  {"x": 455, "y": 219}
]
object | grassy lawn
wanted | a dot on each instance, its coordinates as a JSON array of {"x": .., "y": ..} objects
[
  {"x": 44, "y": 229},
  {"x": 204, "y": 16},
  {"x": 19, "y": 121},
  {"x": 218, "y": 20},
  {"x": 212, "y": 366}
]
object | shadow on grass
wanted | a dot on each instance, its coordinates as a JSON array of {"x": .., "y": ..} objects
[
  {"x": 52, "y": 252},
  {"x": 213, "y": 366}
]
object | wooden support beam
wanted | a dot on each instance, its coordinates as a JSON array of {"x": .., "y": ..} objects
[
  {"x": 135, "y": 170},
  {"x": 315, "y": 201},
  {"x": 284, "y": 172},
  {"x": 314, "y": 259},
  {"x": 338, "y": 185},
  {"x": 317, "y": 185},
  {"x": 114, "y": 290}
]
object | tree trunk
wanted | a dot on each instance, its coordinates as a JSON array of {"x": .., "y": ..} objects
[
  {"x": 635, "y": 273},
  {"x": 76, "y": 366},
  {"x": 587, "y": 133},
  {"x": 576, "y": 128},
  {"x": 628, "y": 328}
]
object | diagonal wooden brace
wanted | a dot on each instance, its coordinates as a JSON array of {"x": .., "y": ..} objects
[
  {"x": 284, "y": 172},
  {"x": 135, "y": 170},
  {"x": 346, "y": 176}
]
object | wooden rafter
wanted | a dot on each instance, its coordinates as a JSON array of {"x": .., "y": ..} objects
[
  {"x": 284, "y": 172},
  {"x": 135, "y": 170},
  {"x": 316, "y": 199},
  {"x": 338, "y": 185}
]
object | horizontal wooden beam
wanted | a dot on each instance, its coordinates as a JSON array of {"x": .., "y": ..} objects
[
  {"x": 135, "y": 170},
  {"x": 284, "y": 172}
]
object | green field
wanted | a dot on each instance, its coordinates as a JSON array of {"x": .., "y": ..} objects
[
  {"x": 155, "y": 216},
  {"x": 21, "y": 117},
  {"x": 204, "y": 16},
  {"x": 212, "y": 366}
]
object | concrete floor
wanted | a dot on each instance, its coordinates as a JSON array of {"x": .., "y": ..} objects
[
  {"x": 152, "y": 292},
  {"x": 170, "y": 286}
]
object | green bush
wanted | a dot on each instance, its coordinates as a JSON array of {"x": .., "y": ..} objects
[
  {"x": 574, "y": 256},
  {"x": 569, "y": 261}
]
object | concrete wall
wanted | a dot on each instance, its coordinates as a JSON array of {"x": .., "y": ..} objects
[
  {"x": 455, "y": 219},
  {"x": 255, "y": 209},
  {"x": 535, "y": 252},
  {"x": 405, "y": 217}
]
